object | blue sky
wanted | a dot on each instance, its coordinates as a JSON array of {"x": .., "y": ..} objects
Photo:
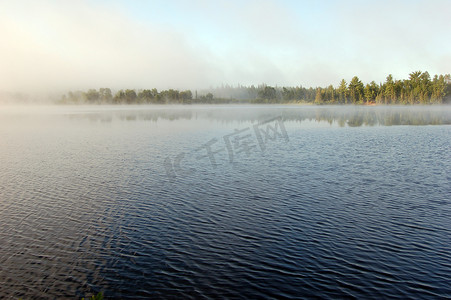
[{"x": 50, "y": 45}]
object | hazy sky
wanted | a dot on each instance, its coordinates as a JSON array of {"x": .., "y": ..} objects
[{"x": 63, "y": 45}]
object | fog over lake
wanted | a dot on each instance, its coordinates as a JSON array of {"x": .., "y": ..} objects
[{"x": 232, "y": 201}]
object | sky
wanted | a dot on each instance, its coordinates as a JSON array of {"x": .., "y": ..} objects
[{"x": 69, "y": 45}]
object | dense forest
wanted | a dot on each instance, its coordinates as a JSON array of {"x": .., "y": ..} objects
[{"x": 419, "y": 88}]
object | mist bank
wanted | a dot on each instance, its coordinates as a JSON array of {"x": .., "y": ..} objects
[{"x": 419, "y": 88}]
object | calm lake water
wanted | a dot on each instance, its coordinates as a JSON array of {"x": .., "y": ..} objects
[{"x": 208, "y": 202}]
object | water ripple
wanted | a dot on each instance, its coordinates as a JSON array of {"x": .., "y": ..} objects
[{"x": 334, "y": 213}]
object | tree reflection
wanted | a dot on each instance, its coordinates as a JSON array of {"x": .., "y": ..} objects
[{"x": 352, "y": 116}]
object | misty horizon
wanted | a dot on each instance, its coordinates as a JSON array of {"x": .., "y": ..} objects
[{"x": 418, "y": 88}]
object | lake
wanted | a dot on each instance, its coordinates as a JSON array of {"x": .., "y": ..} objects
[{"x": 207, "y": 202}]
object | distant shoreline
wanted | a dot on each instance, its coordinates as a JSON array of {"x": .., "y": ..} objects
[{"x": 420, "y": 88}]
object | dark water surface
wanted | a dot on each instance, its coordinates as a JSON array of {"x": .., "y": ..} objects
[{"x": 225, "y": 202}]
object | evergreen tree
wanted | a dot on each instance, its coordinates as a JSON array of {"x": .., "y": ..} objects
[
  {"x": 318, "y": 97},
  {"x": 343, "y": 92},
  {"x": 389, "y": 89},
  {"x": 356, "y": 90}
]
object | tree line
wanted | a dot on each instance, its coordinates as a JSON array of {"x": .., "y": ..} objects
[{"x": 419, "y": 88}]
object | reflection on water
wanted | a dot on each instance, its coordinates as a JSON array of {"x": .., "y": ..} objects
[
  {"x": 334, "y": 207},
  {"x": 352, "y": 116}
]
